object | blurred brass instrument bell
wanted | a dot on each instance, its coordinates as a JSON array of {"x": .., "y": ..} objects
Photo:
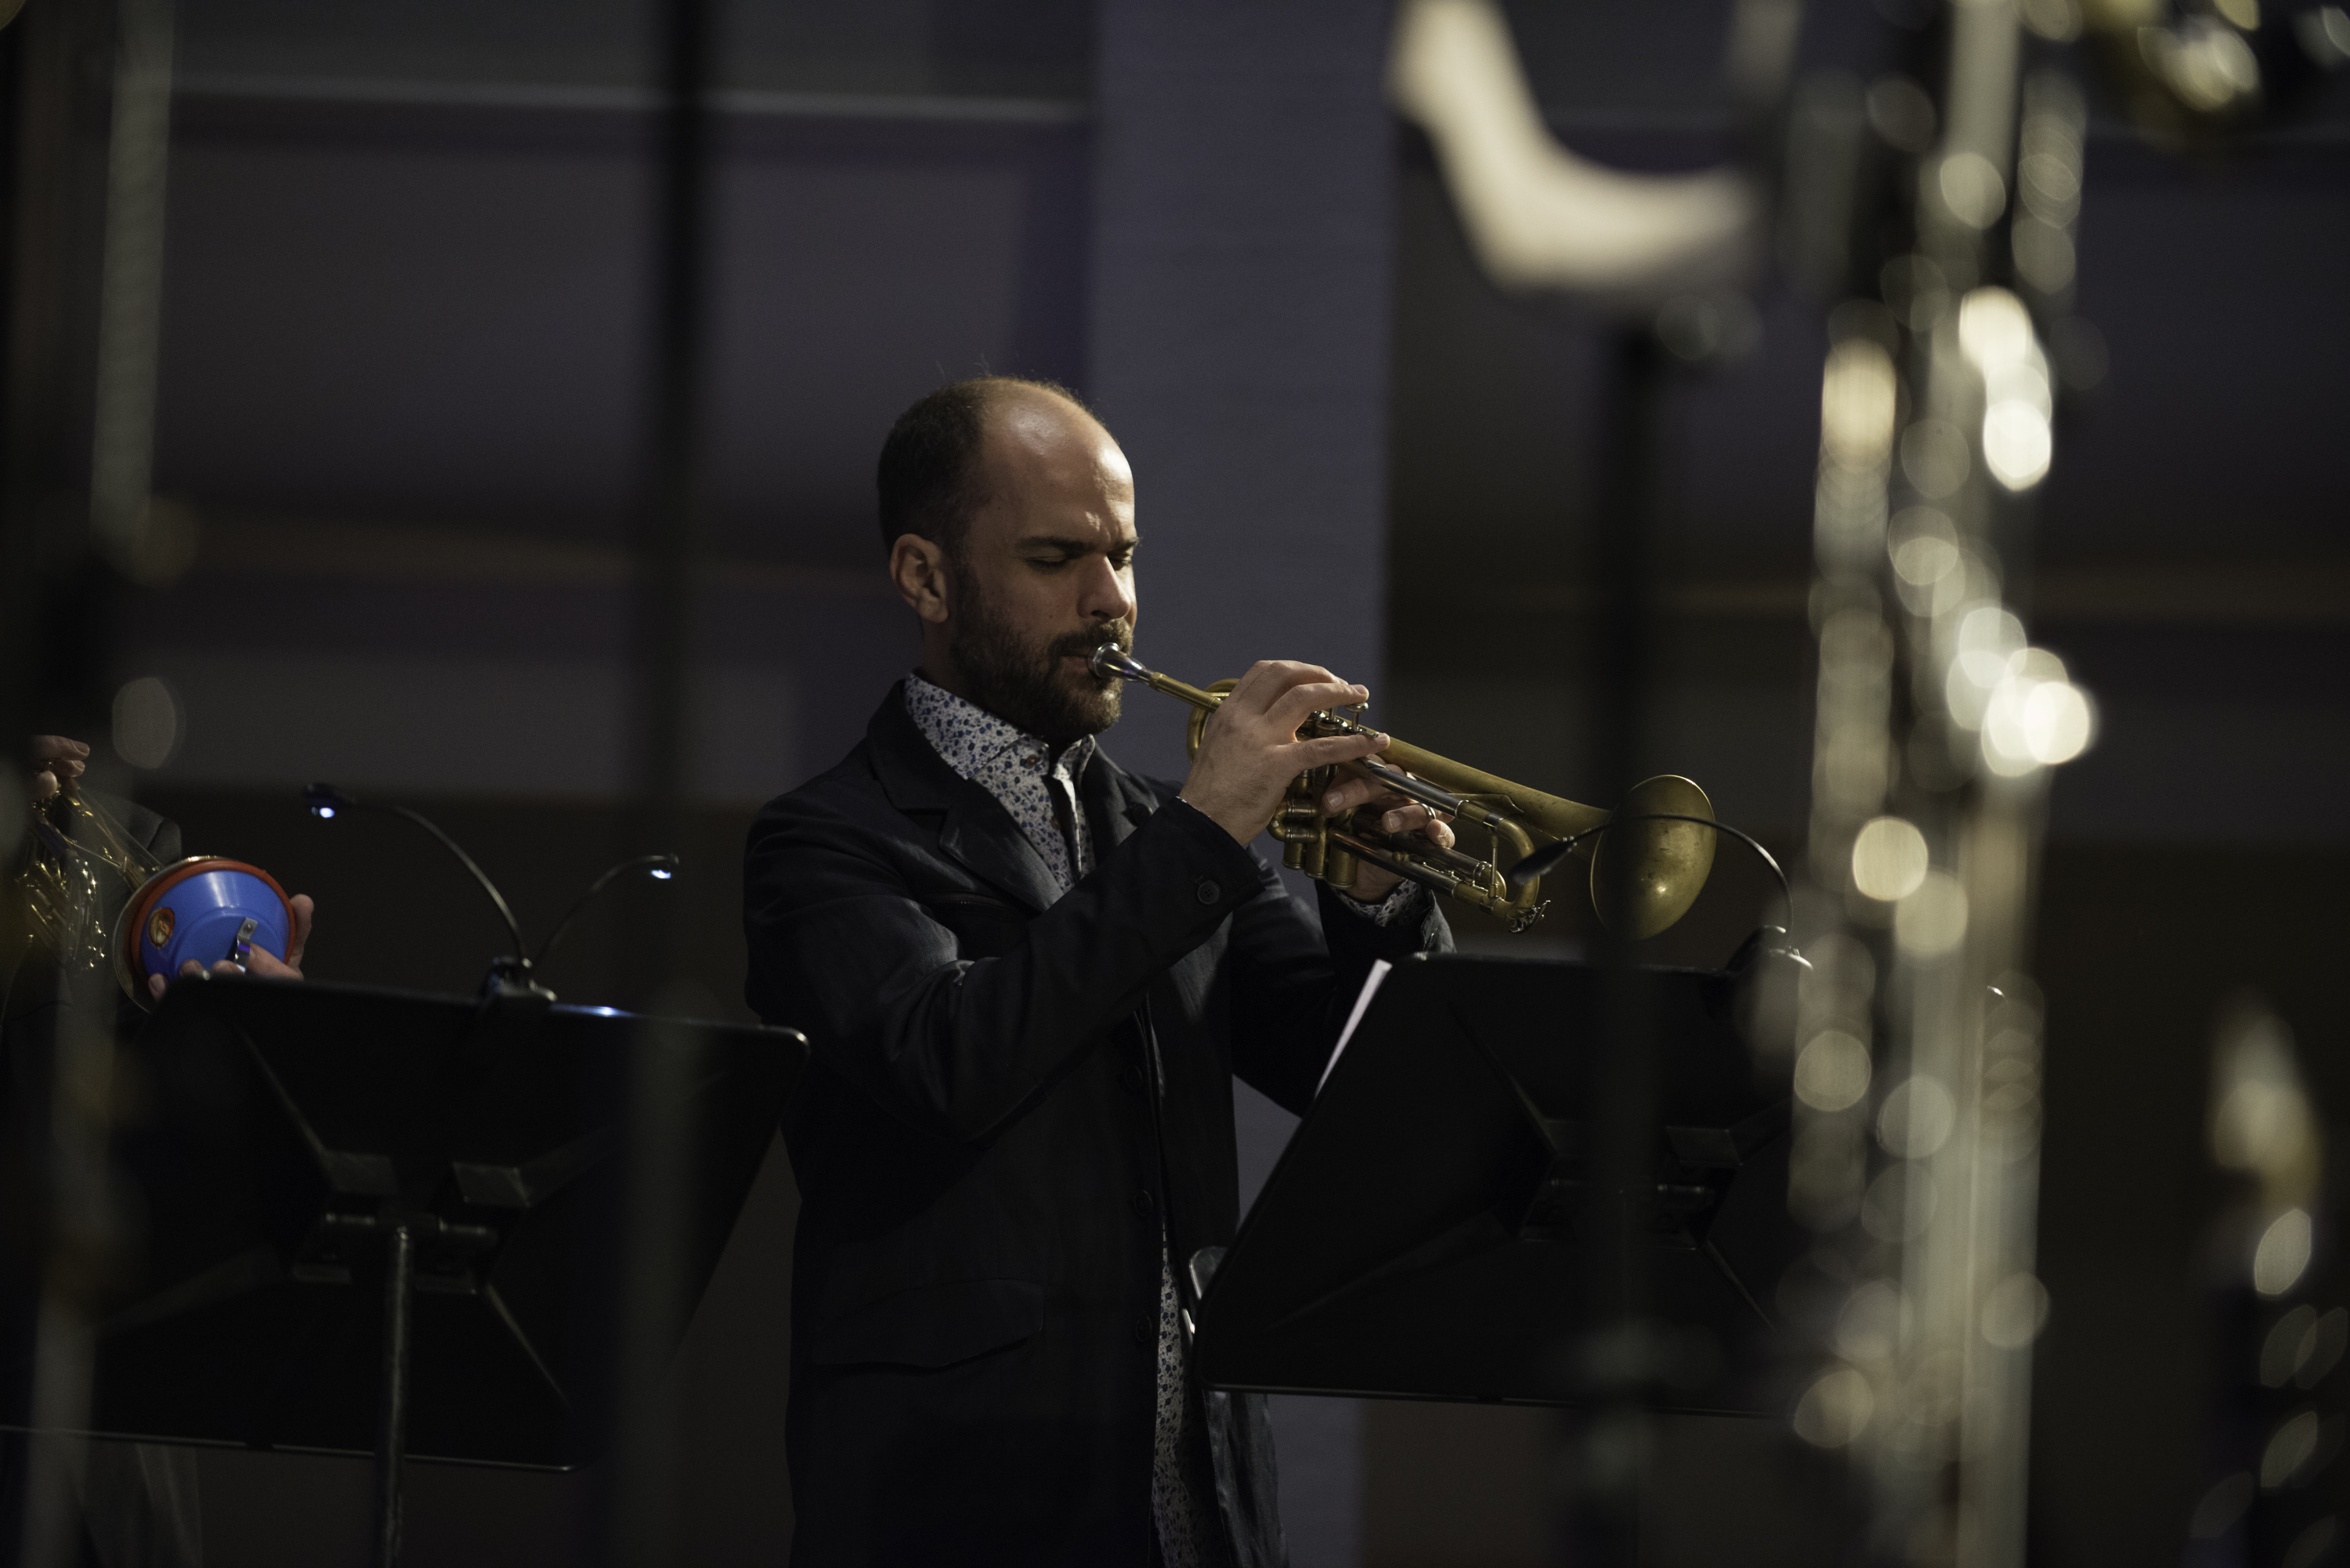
[{"x": 1665, "y": 832}]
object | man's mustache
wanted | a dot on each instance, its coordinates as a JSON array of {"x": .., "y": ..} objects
[{"x": 1081, "y": 644}]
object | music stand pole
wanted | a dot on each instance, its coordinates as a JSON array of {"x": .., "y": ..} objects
[
  {"x": 402, "y": 1232},
  {"x": 391, "y": 1434}
]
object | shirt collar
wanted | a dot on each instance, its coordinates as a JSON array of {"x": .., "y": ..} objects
[{"x": 972, "y": 741}]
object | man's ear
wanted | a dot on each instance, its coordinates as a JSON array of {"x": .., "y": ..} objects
[{"x": 919, "y": 567}]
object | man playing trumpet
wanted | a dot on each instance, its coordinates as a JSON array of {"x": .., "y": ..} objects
[{"x": 1030, "y": 977}]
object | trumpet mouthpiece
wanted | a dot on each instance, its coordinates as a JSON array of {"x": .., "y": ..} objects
[{"x": 1109, "y": 659}]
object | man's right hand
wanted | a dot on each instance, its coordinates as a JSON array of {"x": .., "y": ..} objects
[
  {"x": 1250, "y": 750},
  {"x": 262, "y": 962}
]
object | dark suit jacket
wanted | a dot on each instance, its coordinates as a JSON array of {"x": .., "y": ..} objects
[{"x": 975, "y": 1291}]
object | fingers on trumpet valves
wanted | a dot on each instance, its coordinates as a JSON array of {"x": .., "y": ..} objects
[
  {"x": 1413, "y": 818},
  {"x": 1365, "y": 802},
  {"x": 1334, "y": 750},
  {"x": 1421, "y": 820}
]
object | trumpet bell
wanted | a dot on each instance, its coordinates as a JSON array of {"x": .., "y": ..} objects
[{"x": 1668, "y": 860}]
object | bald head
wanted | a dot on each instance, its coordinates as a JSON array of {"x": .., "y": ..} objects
[{"x": 940, "y": 465}]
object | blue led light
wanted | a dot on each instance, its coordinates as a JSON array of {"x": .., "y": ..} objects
[
  {"x": 322, "y": 812},
  {"x": 662, "y": 873}
]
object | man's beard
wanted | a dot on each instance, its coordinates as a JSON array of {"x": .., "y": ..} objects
[{"x": 1025, "y": 685}]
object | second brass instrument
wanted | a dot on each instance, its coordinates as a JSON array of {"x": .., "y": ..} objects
[{"x": 1665, "y": 830}]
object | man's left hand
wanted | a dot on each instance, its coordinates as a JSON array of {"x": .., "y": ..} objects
[
  {"x": 58, "y": 766},
  {"x": 1398, "y": 814},
  {"x": 261, "y": 962}
]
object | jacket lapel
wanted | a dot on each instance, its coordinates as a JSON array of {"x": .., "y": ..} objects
[
  {"x": 1116, "y": 802},
  {"x": 976, "y": 831}
]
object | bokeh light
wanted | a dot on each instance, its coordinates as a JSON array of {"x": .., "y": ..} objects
[
  {"x": 1857, "y": 404},
  {"x": 1986, "y": 643},
  {"x": 1915, "y": 1118},
  {"x": 2262, "y": 1119},
  {"x": 2283, "y": 1255},
  {"x": 2017, "y": 443},
  {"x": 1995, "y": 334},
  {"x": 1972, "y": 189},
  {"x": 1876, "y": 1319},
  {"x": 1934, "y": 458},
  {"x": 2205, "y": 62},
  {"x": 1899, "y": 1203},
  {"x": 2292, "y": 1447},
  {"x": 2030, "y": 724},
  {"x": 1888, "y": 859},
  {"x": 2321, "y": 1348},
  {"x": 2222, "y": 1507},
  {"x": 1831, "y": 1072},
  {"x": 1835, "y": 1409},
  {"x": 1932, "y": 920},
  {"x": 2287, "y": 1343},
  {"x": 2015, "y": 1311},
  {"x": 1994, "y": 330},
  {"x": 148, "y": 722}
]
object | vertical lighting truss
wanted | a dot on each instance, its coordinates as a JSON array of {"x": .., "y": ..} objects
[{"x": 1916, "y": 1030}]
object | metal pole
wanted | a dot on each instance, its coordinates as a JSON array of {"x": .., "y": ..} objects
[
  {"x": 658, "y": 1160},
  {"x": 130, "y": 300},
  {"x": 391, "y": 1420},
  {"x": 662, "y": 718},
  {"x": 88, "y": 139},
  {"x": 1623, "y": 1090}
]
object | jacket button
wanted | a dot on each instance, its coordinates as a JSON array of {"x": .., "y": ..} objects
[
  {"x": 1144, "y": 1331},
  {"x": 1130, "y": 1077},
  {"x": 1143, "y": 1202},
  {"x": 1208, "y": 890}
]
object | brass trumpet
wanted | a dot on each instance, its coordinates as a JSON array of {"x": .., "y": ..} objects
[{"x": 1671, "y": 847}]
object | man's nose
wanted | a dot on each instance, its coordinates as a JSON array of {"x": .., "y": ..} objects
[{"x": 1105, "y": 593}]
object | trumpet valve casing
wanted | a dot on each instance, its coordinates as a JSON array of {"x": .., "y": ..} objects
[{"x": 1668, "y": 862}]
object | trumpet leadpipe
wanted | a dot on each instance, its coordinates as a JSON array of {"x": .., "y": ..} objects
[{"x": 1109, "y": 660}]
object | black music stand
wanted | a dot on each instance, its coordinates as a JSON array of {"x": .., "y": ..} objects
[
  {"x": 379, "y": 1221},
  {"x": 1416, "y": 1239}
]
